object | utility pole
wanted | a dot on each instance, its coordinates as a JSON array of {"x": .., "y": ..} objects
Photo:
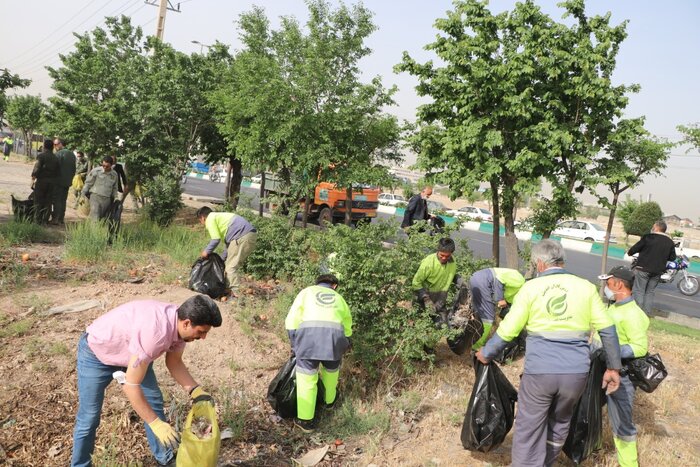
[{"x": 163, "y": 7}]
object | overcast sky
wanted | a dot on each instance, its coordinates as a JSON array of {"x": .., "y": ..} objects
[{"x": 660, "y": 54}]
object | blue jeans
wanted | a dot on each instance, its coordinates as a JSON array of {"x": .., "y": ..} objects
[{"x": 93, "y": 378}]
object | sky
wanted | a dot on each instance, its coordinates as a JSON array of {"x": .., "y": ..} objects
[{"x": 660, "y": 54}]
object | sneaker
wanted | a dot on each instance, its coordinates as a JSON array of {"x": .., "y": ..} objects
[{"x": 307, "y": 426}]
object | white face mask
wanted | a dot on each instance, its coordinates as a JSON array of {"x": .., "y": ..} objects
[{"x": 609, "y": 294}]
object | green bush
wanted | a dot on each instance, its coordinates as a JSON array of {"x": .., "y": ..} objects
[
  {"x": 163, "y": 194},
  {"x": 374, "y": 280},
  {"x": 624, "y": 210},
  {"x": 642, "y": 219}
]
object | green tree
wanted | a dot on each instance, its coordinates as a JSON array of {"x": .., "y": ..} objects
[
  {"x": 691, "y": 135},
  {"x": 26, "y": 113},
  {"x": 584, "y": 104},
  {"x": 294, "y": 102},
  {"x": 643, "y": 219},
  {"x": 631, "y": 154},
  {"x": 9, "y": 81},
  {"x": 626, "y": 208},
  {"x": 517, "y": 96},
  {"x": 96, "y": 88}
]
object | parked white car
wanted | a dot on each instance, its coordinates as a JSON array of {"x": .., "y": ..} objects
[
  {"x": 582, "y": 230},
  {"x": 472, "y": 212},
  {"x": 391, "y": 199}
]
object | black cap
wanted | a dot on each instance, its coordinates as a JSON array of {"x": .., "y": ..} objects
[{"x": 621, "y": 272}]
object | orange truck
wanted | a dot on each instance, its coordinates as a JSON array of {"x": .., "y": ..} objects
[{"x": 330, "y": 202}]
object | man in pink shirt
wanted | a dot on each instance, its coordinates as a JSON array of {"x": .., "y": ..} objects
[{"x": 129, "y": 338}]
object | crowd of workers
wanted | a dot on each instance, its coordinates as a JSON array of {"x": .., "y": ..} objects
[{"x": 556, "y": 308}]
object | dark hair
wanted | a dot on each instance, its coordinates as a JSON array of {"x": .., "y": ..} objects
[
  {"x": 201, "y": 311},
  {"x": 446, "y": 244},
  {"x": 625, "y": 282},
  {"x": 661, "y": 225},
  {"x": 327, "y": 279},
  {"x": 108, "y": 159},
  {"x": 81, "y": 153},
  {"x": 48, "y": 144},
  {"x": 204, "y": 211}
]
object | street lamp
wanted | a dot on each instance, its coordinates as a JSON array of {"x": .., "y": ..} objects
[{"x": 201, "y": 46}]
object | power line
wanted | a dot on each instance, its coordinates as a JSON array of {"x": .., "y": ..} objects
[
  {"x": 53, "y": 33},
  {"x": 55, "y": 50}
]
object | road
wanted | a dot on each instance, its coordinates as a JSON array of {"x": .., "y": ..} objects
[{"x": 667, "y": 297}]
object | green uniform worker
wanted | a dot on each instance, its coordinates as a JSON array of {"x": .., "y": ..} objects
[
  {"x": 491, "y": 288},
  {"x": 558, "y": 309},
  {"x": 7, "y": 145},
  {"x": 433, "y": 279},
  {"x": 101, "y": 188},
  {"x": 238, "y": 235},
  {"x": 631, "y": 323},
  {"x": 319, "y": 325}
]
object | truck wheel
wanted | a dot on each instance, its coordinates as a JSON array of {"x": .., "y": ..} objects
[{"x": 325, "y": 216}]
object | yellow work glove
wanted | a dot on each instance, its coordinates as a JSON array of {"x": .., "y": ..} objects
[
  {"x": 167, "y": 436},
  {"x": 198, "y": 391}
]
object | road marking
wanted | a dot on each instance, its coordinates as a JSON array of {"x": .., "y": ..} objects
[{"x": 679, "y": 298}]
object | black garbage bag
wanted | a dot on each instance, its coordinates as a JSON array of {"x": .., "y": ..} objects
[
  {"x": 282, "y": 391},
  {"x": 586, "y": 430},
  {"x": 23, "y": 210},
  {"x": 491, "y": 410},
  {"x": 208, "y": 276},
  {"x": 646, "y": 373},
  {"x": 464, "y": 318},
  {"x": 513, "y": 350}
]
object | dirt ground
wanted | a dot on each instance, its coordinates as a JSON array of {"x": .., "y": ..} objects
[{"x": 38, "y": 397}]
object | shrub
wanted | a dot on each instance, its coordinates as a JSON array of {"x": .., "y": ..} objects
[
  {"x": 163, "y": 194},
  {"x": 374, "y": 280},
  {"x": 677, "y": 233},
  {"x": 624, "y": 210},
  {"x": 642, "y": 219}
]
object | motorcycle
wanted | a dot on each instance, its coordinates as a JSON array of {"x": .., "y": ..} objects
[
  {"x": 688, "y": 284},
  {"x": 214, "y": 176}
]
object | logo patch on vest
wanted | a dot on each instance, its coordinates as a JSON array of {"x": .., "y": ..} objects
[
  {"x": 556, "y": 306},
  {"x": 325, "y": 298}
]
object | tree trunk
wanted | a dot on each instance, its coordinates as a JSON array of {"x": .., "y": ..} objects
[
  {"x": 348, "y": 205},
  {"x": 236, "y": 177},
  {"x": 508, "y": 207},
  {"x": 261, "y": 195},
  {"x": 495, "y": 239},
  {"x": 305, "y": 213},
  {"x": 606, "y": 244}
]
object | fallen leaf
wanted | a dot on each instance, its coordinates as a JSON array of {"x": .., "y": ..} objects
[{"x": 312, "y": 457}]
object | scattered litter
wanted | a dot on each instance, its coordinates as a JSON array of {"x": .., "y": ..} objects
[
  {"x": 275, "y": 418},
  {"x": 226, "y": 433},
  {"x": 54, "y": 450},
  {"x": 201, "y": 427},
  {"x": 136, "y": 280},
  {"x": 312, "y": 457},
  {"x": 74, "y": 307}
]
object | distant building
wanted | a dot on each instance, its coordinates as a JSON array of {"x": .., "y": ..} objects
[
  {"x": 687, "y": 223},
  {"x": 672, "y": 219}
]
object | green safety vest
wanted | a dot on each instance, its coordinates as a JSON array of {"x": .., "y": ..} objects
[{"x": 511, "y": 279}]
